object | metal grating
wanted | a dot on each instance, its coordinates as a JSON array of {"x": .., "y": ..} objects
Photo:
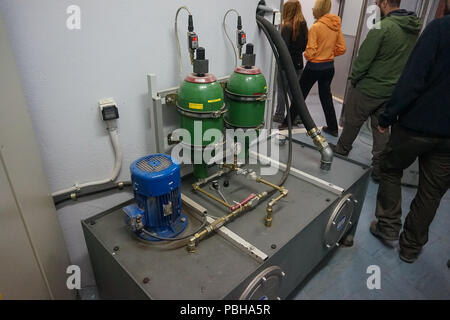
[{"x": 154, "y": 164}]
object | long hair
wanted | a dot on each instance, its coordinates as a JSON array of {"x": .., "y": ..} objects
[
  {"x": 293, "y": 17},
  {"x": 321, "y": 8}
]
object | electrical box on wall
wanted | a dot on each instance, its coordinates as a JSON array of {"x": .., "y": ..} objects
[{"x": 108, "y": 109}]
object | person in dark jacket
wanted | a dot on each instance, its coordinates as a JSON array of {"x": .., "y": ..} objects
[
  {"x": 375, "y": 73},
  {"x": 419, "y": 113},
  {"x": 294, "y": 31}
]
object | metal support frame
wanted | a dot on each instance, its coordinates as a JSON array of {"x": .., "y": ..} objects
[
  {"x": 241, "y": 243},
  {"x": 302, "y": 175},
  {"x": 156, "y": 116},
  {"x": 226, "y": 233},
  {"x": 273, "y": 84},
  {"x": 341, "y": 8},
  {"x": 425, "y": 12}
]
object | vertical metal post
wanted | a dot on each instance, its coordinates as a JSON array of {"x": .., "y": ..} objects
[
  {"x": 426, "y": 13},
  {"x": 156, "y": 117},
  {"x": 354, "y": 54},
  {"x": 341, "y": 8},
  {"x": 273, "y": 83}
]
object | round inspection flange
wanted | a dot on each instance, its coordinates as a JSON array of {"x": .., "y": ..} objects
[
  {"x": 340, "y": 221},
  {"x": 265, "y": 286}
]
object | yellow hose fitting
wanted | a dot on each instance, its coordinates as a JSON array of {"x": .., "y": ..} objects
[
  {"x": 268, "y": 220},
  {"x": 191, "y": 245},
  {"x": 318, "y": 139}
]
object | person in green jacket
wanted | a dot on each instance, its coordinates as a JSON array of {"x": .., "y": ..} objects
[{"x": 376, "y": 70}]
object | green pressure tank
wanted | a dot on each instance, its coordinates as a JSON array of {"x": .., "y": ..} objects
[
  {"x": 201, "y": 107},
  {"x": 245, "y": 96}
]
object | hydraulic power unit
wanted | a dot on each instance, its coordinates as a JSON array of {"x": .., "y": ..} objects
[{"x": 243, "y": 259}]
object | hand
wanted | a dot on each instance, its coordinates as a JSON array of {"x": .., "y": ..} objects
[{"x": 382, "y": 130}]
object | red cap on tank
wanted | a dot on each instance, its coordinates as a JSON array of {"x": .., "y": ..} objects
[
  {"x": 207, "y": 78},
  {"x": 252, "y": 70}
]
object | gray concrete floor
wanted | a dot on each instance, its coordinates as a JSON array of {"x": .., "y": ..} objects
[{"x": 344, "y": 275}]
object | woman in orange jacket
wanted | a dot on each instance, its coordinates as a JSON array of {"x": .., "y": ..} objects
[{"x": 325, "y": 42}]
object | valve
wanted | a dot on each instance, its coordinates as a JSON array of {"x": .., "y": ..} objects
[
  {"x": 201, "y": 66},
  {"x": 192, "y": 44},
  {"x": 241, "y": 37},
  {"x": 192, "y": 38},
  {"x": 249, "y": 58}
]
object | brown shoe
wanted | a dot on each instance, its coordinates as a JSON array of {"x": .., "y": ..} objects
[
  {"x": 335, "y": 150},
  {"x": 388, "y": 241}
]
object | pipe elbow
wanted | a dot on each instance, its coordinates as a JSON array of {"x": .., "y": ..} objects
[
  {"x": 191, "y": 245},
  {"x": 326, "y": 158}
]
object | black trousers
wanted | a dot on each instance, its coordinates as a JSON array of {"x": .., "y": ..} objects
[
  {"x": 324, "y": 78},
  {"x": 434, "y": 180},
  {"x": 280, "y": 93}
]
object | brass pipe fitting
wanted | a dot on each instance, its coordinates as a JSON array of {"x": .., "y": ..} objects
[
  {"x": 318, "y": 139},
  {"x": 211, "y": 196},
  {"x": 229, "y": 166},
  {"x": 191, "y": 245},
  {"x": 234, "y": 166},
  {"x": 271, "y": 204},
  {"x": 218, "y": 223},
  {"x": 270, "y": 184},
  {"x": 268, "y": 220}
]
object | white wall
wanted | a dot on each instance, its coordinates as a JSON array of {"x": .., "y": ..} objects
[
  {"x": 64, "y": 73},
  {"x": 307, "y": 6},
  {"x": 350, "y": 19}
]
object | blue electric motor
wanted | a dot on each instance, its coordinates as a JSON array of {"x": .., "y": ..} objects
[{"x": 157, "y": 209}]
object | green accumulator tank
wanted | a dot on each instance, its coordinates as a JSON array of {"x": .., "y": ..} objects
[
  {"x": 245, "y": 97},
  {"x": 201, "y": 107}
]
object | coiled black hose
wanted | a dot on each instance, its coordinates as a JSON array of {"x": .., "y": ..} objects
[{"x": 284, "y": 92}]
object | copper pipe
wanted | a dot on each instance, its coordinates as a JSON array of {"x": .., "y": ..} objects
[
  {"x": 270, "y": 184},
  {"x": 220, "y": 222},
  {"x": 269, "y": 210},
  {"x": 268, "y": 220},
  {"x": 211, "y": 196}
]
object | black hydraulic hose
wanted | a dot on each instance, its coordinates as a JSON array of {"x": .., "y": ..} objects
[
  {"x": 298, "y": 101},
  {"x": 204, "y": 223},
  {"x": 288, "y": 66},
  {"x": 284, "y": 92}
]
